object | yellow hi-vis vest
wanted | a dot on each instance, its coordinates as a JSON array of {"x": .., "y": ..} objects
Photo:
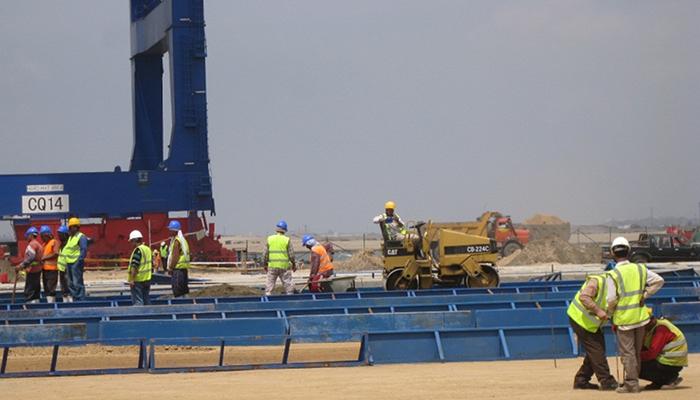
[
  {"x": 630, "y": 280},
  {"x": 61, "y": 261},
  {"x": 71, "y": 251},
  {"x": 675, "y": 353},
  {"x": 580, "y": 314},
  {"x": 278, "y": 256},
  {"x": 184, "y": 261},
  {"x": 143, "y": 274}
]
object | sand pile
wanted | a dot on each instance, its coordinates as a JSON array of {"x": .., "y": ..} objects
[
  {"x": 544, "y": 219},
  {"x": 543, "y": 226},
  {"x": 362, "y": 260},
  {"x": 553, "y": 250}
]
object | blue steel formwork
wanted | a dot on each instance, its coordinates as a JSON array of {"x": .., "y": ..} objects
[{"x": 514, "y": 322}]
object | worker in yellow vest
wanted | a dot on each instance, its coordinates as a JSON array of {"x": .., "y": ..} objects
[
  {"x": 49, "y": 275},
  {"x": 664, "y": 354},
  {"x": 320, "y": 261},
  {"x": 392, "y": 226},
  {"x": 74, "y": 253},
  {"x": 278, "y": 260},
  {"x": 178, "y": 260},
  {"x": 139, "y": 270},
  {"x": 587, "y": 314},
  {"x": 634, "y": 283},
  {"x": 61, "y": 264}
]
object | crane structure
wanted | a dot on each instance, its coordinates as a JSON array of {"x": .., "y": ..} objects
[{"x": 154, "y": 185}]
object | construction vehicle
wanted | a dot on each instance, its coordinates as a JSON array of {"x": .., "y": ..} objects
[
  {"x": 427, "y": 256},
  {"x": 155, "y": 184},
  {"x": 493, "y": 225}
]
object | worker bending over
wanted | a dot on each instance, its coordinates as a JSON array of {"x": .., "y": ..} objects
[
  {"x": 320, "y": 260},
  {"x": 49, "y": 274},
  {"x": 587, "y": 314},
  {"x": 139, "y": 270},
  {"x": 61, "y": 263},
  {"x": 178, "y": 260},
  {"x": 392, "y": 226},
  {"x": 634, "y": 283},
  {"x": 278, "y": 260},
  {"x": 664, "y": 354},
  {"x": 32, "y": 265},
  {"x": 75, "y": 252}
]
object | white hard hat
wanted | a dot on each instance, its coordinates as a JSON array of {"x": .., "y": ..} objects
[
  {"x": 135, "y": 234},
  {"x": 620, "y": 242}
]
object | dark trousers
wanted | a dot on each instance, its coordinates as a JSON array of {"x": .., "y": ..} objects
[
  {"x": 32, "y": 286},
  {"x": 180, "y": 282},
  {"x": 50, "y": 281},
  {"x": 140, "y": 293},
  {"x": 658, "y": 373},
  {"x": 63, "y": 278},
  {"x": 76, "y": 284},
  {"x": 595, "y": 360}
]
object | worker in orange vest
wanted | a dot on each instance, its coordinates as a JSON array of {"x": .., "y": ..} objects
[
  {"x": 321, "y": 265},
  {"x": 49, "y": 275}
]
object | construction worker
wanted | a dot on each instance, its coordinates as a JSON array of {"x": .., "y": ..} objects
[
  {"x": 32, "y": 265},
  {"x": 664, "y": 354},
  {"x": 61, "y": 264},
  {"x": 164, "y": 254},
  {"x": 587, "y": 314},
  {"x": 178, "y": 260},
  {"x": 278, "y": 260},
  {"x": 634, "y": 283},
  {"x": 394, "y": 228},
  {"x": 321, "y": 265},
  {"x": 74, "y": 253},
  {"x": 139, "y": 270},
  {"x": 49, "y": 274}
]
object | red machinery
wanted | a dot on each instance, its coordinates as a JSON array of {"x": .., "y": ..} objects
[{"x": 109, "y": 239}]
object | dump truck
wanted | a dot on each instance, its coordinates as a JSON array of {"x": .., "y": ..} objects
[
  {"x": 493, "y": 225},
  {"x": 428, "y": 256}
]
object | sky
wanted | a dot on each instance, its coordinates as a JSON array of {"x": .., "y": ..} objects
[{"x": 322, "y": 110}]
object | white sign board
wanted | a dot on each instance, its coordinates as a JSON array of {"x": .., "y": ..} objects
[
  {"x": 44, "y": 188},
  {"x": 45, "y": 204}
]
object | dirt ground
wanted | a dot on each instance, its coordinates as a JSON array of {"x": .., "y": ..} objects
[{"x": 493, "y": 380}]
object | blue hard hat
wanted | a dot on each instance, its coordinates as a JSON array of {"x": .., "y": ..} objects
[
  {"x": 174, "y": 225},
  {"x": 63, "y": 229},
  {"x": 31, "y": 231},
  {"x": 306, "y": 239},
  {"x": 45, "y": 230},
  {"x": 282, "y": 225}
]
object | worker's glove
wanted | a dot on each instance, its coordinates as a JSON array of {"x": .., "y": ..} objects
[
  {"x": 378, "y": 219},
  {"x": 641, "y": 302}
]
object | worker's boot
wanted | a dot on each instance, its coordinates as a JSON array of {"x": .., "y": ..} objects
[
  {"x": 629, "y": 388},
  {"x": 50, "y": 299},
  {"x": 586, "y": 385},
  {"x": 67, "y": 299},
  {"x": 676, "y": 382},
  {"x": 611, "y": 385},
  {"x": 33, "y": 301}
]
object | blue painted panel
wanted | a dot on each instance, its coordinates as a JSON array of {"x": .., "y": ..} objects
[
  {"x": 680, "y": 311},
  {"x": 523, "y": 317},
  {"x": 183, "y": 328},
  {"x": 42, "y": 333},
  {"x": 408, "y": 347},
  {"x": 472, "y": 345},
  {"x": 539, "y": 343}
]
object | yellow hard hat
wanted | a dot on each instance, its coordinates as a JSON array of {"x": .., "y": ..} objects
[
  {"x": 390, "y": 205},
  {"x": 73, "y": 222}
]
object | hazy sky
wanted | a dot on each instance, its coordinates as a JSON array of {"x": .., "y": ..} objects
[{"x": 319, "y": 111}]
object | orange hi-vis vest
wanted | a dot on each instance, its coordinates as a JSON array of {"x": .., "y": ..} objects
[
  {"x": 50, "y": 247},
  {"x": 325, "y": 265}
]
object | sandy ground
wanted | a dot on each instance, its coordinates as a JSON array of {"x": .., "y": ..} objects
[{"x": 493, "y": 380}]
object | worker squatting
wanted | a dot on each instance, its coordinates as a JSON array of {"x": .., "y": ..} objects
[
  {"x": 51, "y": 261},
  {"x": 651, "y": 349}
]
